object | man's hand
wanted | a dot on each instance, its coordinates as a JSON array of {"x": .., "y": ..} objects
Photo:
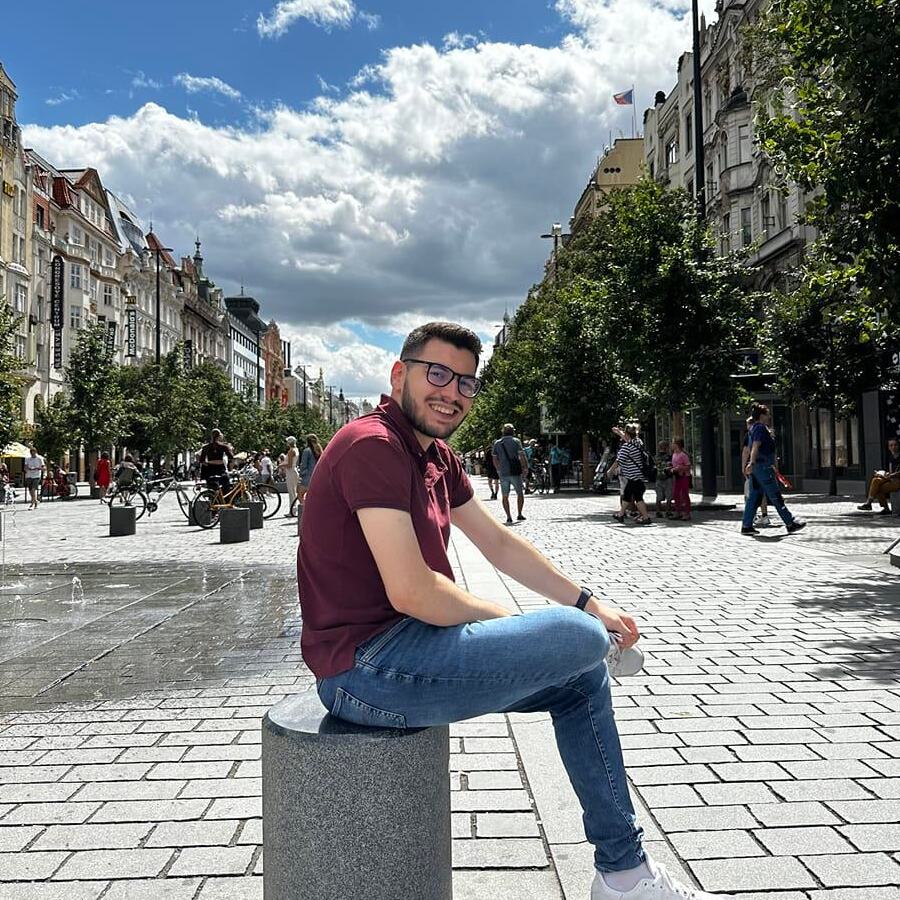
[{"x": 614, "y": 620}]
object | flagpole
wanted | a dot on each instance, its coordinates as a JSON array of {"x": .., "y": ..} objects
[{"x": 633, "y": 112}]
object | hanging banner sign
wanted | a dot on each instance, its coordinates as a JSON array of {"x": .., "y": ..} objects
[
  {"x": 57, "y": 290},
  {"x": 188, "y": 354},
  {"x": 111, "y": 338},
  {"x": 57, "y": 348},
  {"x": 131, "y": 321}
]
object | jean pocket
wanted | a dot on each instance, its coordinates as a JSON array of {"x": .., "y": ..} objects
[
  {"x": 367, "y": 650},
  {"x": 351, "y": 709}
]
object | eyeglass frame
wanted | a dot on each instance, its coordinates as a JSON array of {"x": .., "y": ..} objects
[{"x": 458, "y": 376}]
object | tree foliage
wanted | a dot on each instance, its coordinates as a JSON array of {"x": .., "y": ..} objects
[
  {"x": 10, "y": 376},
  {"x": 830, "y": 86},
  {"x": 637, "y": 315},
  {"x": 53, "y": 427}
]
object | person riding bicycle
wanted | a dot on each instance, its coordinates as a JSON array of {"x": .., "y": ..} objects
[
  {"x": 213, "y": 468},
  {"x": 126, "y": 473}
]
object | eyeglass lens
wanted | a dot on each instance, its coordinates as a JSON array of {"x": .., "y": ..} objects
[{"x": 440, "y": 376}]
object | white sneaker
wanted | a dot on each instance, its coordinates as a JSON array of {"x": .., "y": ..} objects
[
  {"x": 661, "y": 887},
  {"x": 762, "y": 522},
  {"x": 628, "y": 661}
]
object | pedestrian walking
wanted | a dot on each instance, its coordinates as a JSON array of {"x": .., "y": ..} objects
[
  {"x": 556, "y": 458},
  {"x": 266, "y": 469},
  {"x": 291, "y": 475},
  {"x": 885, "y": 481},
  {"x": 308, "y": 459},
  {"x": 665, "y": 482},
  {"x": 761, "y": 470},
  {"x": 681, "y": 474},
  {"x": 212, "y": 458},
  {"x": 511, "y": 462},
  {"x": 103, "y": 473},
  {"x": 630, "y": 465},
  {"x": 35, "y": 469},
  {"x": 378, "y": 598},
  {"x": 762, "y": 520},
  {"x": 490, "y": 471}
]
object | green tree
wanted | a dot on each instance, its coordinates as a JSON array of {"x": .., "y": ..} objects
[
  {"x": 830, "y": 91},
  {"x": 11, "y": 381},
  {"x": 95, "y": 396},
  {"x": 54, "y": 428}
]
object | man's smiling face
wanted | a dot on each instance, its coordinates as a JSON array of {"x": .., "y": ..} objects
[{"x": 434, "y": 412}]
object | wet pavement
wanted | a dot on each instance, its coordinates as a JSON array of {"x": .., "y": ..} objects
[{"x": 113, "y": 630}]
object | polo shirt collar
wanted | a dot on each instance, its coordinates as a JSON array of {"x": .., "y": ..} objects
[{"x": 433, "y": 466}]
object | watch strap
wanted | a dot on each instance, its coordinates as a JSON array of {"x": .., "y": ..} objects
[{"x": 583, "y": 597}]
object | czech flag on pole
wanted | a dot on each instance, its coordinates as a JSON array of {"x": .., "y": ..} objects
[{"x": 626, "y": 98}]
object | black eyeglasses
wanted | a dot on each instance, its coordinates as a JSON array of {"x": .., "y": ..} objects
[{"x": 440, "y": 376}]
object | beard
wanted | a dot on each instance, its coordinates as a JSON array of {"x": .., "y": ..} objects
[{"x": 416, "y": 416}]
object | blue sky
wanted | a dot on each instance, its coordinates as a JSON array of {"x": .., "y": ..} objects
[{"x": 360, "y": 167}]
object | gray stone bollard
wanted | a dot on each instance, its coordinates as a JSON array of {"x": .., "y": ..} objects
[
  {"x": 353, "y": 812},
  {"x": 234, "y": 525},
  {"x": 121, "y": 521},
  {"x": 256, "y": 507}
]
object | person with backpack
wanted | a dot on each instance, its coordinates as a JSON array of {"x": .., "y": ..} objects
[
  {"x": 308, "y": 459},
  {"x": 681, "y": 470},
  {"x": 510, "y": 461},
  {"x": 635, "y": 466}
]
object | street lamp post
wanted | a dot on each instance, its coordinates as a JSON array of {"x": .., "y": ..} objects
[
  {"x": 708, "y": 449},
  {"x": 556, "y": 235},
  {"x": 158, "y": 251}
]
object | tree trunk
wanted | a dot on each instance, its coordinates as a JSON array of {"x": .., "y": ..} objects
[
  {"x": 832, "y": 486},
  {"x": 708, "y": 465},
  {"x": 587, "y": 473}
]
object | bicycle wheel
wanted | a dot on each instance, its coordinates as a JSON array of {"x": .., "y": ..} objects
[
  {"x": 205, "y": 509},
  {"x": 295, "y": 506},
  {"x": 270, "y": 497},
  {"x": 73, "y": 491},
  {"x": 184, "y": 502},
  {"x": 137, "y": 499}
]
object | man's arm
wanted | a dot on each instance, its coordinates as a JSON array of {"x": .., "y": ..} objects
[
  {"x": 754, "y": 450},
  {"x": 523, "y": 461},
  {"x": 411, "y": 586},
  {"x": 515, "y": 557}
]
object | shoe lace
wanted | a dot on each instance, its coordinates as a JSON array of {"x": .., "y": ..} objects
[{"x": 667, "y": 880}]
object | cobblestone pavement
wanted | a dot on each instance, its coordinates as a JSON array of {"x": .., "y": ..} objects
[{"x": 763, "y": 740}]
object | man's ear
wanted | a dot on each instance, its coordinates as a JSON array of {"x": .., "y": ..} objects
[{"x": 398, "y": 375}]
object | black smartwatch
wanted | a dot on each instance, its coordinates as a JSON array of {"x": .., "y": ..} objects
[{"x": 583, "y": 597}]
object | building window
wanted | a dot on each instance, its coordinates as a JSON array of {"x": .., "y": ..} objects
[
  {"x": 75, "y": 276},
  {"x": 782, "y": 211},
  {"x": 846, "y": 441},
  {"x": 765, "y": 212},
  {"x": 21, "y": 346},
  {"x": 20, "y": 298},
  {"x": 690, "y": 187},
  {"x": 744, "y": 153},
  {"x": 689, "y": 132},
  {"x": 710, "y": 184},
  {"x": 108, "y": 258},
  {"x": 672, "y": 151},
  {"x": 107, "y": 294},
  {"x": 77, "y": 236},
  {"x": 75, "y": 316},
  {"x": 723, "y": 154},
  {"x": 726, "y": 233},
  {"x": 39, "y": 216},
  {"x": 746, "y": 227}
]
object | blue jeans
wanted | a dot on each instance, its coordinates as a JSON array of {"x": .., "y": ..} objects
[
  {"x": 762, "y": 481},
  {"x": 415, "y": 675}
]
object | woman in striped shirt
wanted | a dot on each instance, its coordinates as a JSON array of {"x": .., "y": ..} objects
[{"x": 630, "y": 464}]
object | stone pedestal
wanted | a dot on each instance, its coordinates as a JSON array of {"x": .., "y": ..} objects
[
  {"x": 353, "y": 812},
  {"x": 256, "y": 507},
  {"x": 234, "y": 525},
  {"x": 121, "y": 521}
]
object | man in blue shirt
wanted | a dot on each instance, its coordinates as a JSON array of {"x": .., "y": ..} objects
[{"x": 760, "y": 469}]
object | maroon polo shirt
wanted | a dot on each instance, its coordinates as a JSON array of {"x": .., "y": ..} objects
[{"x": 373, "y": 462}]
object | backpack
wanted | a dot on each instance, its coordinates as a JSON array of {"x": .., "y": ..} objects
[
  {"x": 515, "y": 464},
  {"x": 648, "y": 466}
]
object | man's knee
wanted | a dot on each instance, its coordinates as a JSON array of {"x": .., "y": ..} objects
[{"x": 581, "y": 639}]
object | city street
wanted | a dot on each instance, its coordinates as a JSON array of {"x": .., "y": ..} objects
[{"x": 762, "y": 741}]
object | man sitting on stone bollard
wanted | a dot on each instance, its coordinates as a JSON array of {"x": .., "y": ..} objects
[{"x": 393, "y": 640}]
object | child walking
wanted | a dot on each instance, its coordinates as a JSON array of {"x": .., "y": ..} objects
[{"x": 681, "y": 469}]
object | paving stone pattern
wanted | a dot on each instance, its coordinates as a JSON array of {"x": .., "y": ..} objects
[{"x": 763, "y": 740}]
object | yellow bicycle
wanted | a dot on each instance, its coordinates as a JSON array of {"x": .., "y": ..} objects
[{"x": 206, "y": 505}]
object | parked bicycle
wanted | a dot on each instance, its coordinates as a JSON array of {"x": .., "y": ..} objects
[
  {"x": 209, "y": 502},
  {"x": 267, "y": 493},
  {"x": 127, "y": 495},
  {"x": 159, "y": 487}
]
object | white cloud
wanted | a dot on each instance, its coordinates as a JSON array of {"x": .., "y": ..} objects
[
  {"x": 324, "y": 13},
  {"x": 62, "y": 97},
  {"x": 419, "y": 193},
  {"x": 195, "y": 84},
  {"x": 140, "y": 80},
  {"x": 372, "y": 21}
]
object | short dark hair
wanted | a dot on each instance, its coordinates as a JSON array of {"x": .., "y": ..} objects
[
  {"x": 757, "y": 410},
  {"x": 458, "y": 335}
]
